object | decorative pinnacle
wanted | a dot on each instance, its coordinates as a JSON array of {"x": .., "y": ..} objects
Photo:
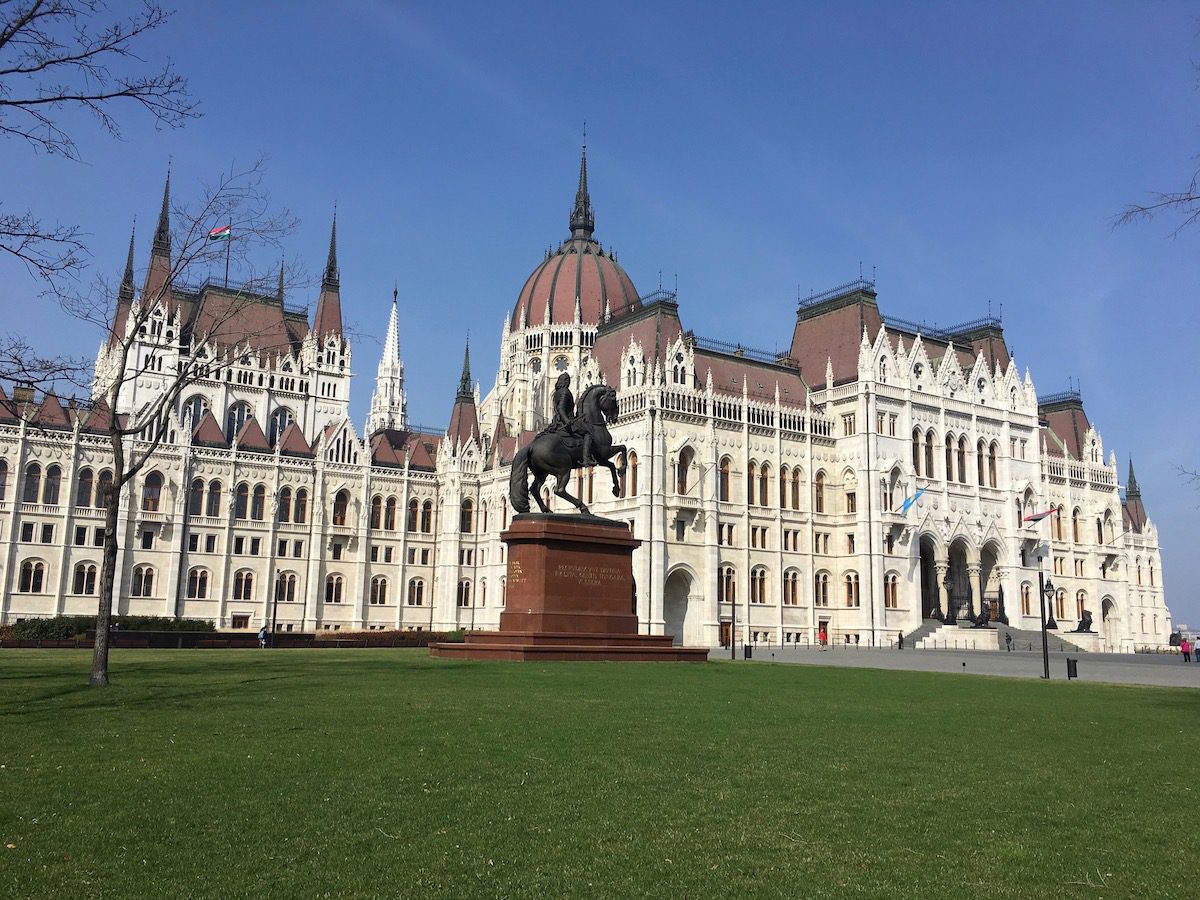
[
  {"x": 464, "y": 383},
  {"x": 279, "y": 290},
  {"x": 126, "y": 290},
  {"x": 583, "y": 222},
  {"x": 162, "y": 234},
  {"x": 1132, "y": 489},
  {"x": 331, "y": 267}
]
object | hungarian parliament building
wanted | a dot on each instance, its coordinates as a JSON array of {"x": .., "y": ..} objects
[{"x": 877, "y": 478}]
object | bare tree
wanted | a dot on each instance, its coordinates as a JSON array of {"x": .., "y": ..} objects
[
  {"x": 20, "y": 363},
  {"x": 236, "y": 198},
  {"x": 56, "y": 57},
  {"x": 1184, "y": 203}
]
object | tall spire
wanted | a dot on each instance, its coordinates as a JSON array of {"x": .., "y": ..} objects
[
  {"x": 331, "y": 267},
  {"x": 279, "y": 290},
  {"x": 389, "y": 404},
  {"x": 125, "y": 294},
  {"x": 464, "y": 382},
  {"x": 391, "y": 344},
  {"x": 1131, "y": 488},
  {"x": 464, "y": 418},
  {"x": 583, "y": 222},
  {"x": 162, "y": 234},
  {"x": 329, "y": 304}
]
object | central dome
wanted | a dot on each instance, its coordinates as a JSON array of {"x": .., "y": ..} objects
[{"x": 578, "y": 270}]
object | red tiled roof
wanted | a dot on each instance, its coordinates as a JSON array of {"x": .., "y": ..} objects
[
  {"x": 208, "y": 432},
  {"x": 51, "y": 414},
  {"x": 657, "y": 321},
  {"x": 390, "y": 447},
  {"x": 1133, "y": 514},
  {"x": 292, "y": 441},
  {"x": 464, "y": 423},
  {"x": 729, "y": 373},
  {"x": 504, "y": 448},
  {"x": 329, "y": 312},
  {"x": 8, "y": 410},
  {"x": 232, "y": 319},
  {"x": 579, "y": 268},
  {"x": 1068, "y": 424},
  {"x": 251, "y": 437},
  {"x": 99, "y": 419},
  {"x": 836, "y": 336}
]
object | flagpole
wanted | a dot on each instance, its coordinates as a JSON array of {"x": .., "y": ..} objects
[{"x": 228, "y": 241}]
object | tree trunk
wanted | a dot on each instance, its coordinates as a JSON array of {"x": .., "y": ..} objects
[{"x": 108, "y": 566}]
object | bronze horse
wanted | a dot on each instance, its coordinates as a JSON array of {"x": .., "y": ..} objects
[{"x": 557, "y": 453}]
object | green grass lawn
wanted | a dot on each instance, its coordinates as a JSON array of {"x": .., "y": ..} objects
[{"x": 363, "y": 773}]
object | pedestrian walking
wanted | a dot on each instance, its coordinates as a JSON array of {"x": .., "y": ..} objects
[
  {"x": 899, "y": 640},
  {"x": 1008, "y": 640},
  {"x": 1185, "y": 648},
  {"x": 262, "y": 638}
]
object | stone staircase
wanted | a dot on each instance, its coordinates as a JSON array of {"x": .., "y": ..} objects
[
  {"x": 935, "y": 635},
  {"x": 952, "y": 637},
  {"x": 927, "y": 628},
  {"x": 1032, "y": 640}
]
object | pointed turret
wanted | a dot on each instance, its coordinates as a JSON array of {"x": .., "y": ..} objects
[
  {"x": 329, "y": 307},
  {"x": 583, "y": 222},
  {"x": 279, "y": 290},
  {"x": 464, "y": 418},
  {"x": 330, "y": 280},
  {"x": 1134, "y": 509},
  {"x": 158, "y": 276},
  {"x": 162, "y": 234},
  {"x": 125, "y": 294},
  {"x": 391, "y": 344},
  {"x": 389, "y": 405},
  {"x": 464, "y": 381}
]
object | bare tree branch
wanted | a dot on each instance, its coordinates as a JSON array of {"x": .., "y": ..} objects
[
  {"x": 20, "y": 363},
  {"x": 50, "y": 253},
  {"x": 217, "y": 334},
  {"x": 1186, "y": 203},
  {"x": 62, "y": 54}
]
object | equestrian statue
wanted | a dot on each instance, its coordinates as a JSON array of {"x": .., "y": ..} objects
[{"x": 575, "y": 439}]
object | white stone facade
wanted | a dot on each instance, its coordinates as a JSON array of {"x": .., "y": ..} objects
[{"x": 769, "y": 501}]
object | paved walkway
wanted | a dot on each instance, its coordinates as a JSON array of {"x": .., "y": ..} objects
[{"x": 1115, "y": 668}]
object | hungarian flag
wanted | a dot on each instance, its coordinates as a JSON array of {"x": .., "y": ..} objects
[
  {"x": 1037, "y": 517},
  {"x": 221, "y": 233}
]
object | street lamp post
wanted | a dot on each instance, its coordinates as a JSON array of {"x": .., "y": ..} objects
[{"x": 1045, "y": 592}]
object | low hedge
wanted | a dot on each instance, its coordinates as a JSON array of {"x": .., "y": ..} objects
[
  {"x": 393, "y": 638},
  {"x": 64, "y": 627}
]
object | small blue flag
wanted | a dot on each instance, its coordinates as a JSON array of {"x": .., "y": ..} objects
[{"x": 909, "y": 501}]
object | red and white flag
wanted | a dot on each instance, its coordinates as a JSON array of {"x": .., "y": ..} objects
[{"x": 1037, "y": 517}]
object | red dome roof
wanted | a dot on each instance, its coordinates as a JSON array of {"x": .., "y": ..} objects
[{"x": 579, "y": 268}]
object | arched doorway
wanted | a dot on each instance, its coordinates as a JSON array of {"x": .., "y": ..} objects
[
  {"x": 1108, "y": 616},
  {"x": 681, "y": 613},
  {"x": 959, "y": 600},
  {"x": 989, "y": 576},
  {"x": 930, "y": 598}
]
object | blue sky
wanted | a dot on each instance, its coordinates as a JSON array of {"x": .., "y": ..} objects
[{"x": 969, "y": 153}]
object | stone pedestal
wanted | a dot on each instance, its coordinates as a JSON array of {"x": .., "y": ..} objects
[{"x": 569, "y": 596}]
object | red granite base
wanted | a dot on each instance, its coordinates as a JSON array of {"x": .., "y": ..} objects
[{"x": 569, "y": 597}]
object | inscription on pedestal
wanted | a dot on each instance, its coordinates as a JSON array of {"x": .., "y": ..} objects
[{"x": 588, "y": 576}]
